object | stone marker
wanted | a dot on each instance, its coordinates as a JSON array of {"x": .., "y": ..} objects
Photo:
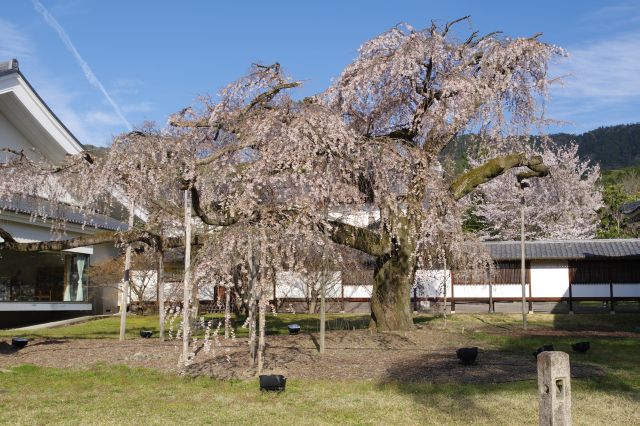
[{"x": 554, "y": 388}]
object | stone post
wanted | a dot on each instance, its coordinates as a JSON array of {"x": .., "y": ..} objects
[{"x": 554, "y": 389}]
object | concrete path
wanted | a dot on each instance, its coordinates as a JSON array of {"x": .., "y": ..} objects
[{"x": 61, "y": 323}]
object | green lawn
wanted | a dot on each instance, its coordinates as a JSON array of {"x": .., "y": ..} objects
[
  {"x": 119, "y": 395},
  {"x": 109, "y": 328}
]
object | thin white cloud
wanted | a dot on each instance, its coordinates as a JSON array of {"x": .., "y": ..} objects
[
  {"x": 101, "y": 118},
  {"x": 601, "y": 84},
  {"x": 90, "y": 76},
  {"x": 13, "y": 44},
  {"x": 138, "y": 107},
  {"x": 606, "y": 70}
]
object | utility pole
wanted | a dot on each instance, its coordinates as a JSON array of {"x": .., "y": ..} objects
[{"x": 523, "y": 271}]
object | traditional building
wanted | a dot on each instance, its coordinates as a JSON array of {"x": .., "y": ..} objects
[
  {"x": 45, "y": 285},
  {"x": 560, "y": 276}
]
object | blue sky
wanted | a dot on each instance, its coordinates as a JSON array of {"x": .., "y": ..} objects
[{"x": 146, "y": 59}]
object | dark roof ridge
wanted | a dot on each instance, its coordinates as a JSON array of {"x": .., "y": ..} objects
[{"x": 583, "y": 241}]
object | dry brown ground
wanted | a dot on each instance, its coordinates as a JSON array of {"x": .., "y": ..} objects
[{"x": 425, "y": 354}]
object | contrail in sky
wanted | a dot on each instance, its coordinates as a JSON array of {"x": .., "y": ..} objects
[{"x": 91, "y": 78}]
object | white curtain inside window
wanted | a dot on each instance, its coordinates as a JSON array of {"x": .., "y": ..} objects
[
  {"x": 80, "y": 261},
  {"x": 67, "y": 280}
]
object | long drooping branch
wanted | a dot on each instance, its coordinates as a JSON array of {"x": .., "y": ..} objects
[
  {"x": 131, "y": 236},
  {"x": 216, "y": 218},
  {"x": 363, "y": 239},
  {"x": 494, "y": 168}
]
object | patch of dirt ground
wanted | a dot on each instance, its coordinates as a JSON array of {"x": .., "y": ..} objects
[{"x": 425, "y": 354}]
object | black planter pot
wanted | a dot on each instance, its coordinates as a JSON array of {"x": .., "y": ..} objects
[
  {"x": 146, "y": 333},
  {"x": 19, "y": 342},
  {"x": 294, "y": 328},
  {"x": 467, "y": 356},
  {"x": 273, "y": 382},
  {"x": 581, "y": 347},
  {"x": 543, "y": 348}
]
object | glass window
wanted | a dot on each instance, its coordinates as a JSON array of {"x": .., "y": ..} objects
[{"x": 43, "y": 277}]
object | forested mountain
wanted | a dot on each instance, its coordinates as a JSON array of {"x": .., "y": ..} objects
[{"x": 612, "y": 147}]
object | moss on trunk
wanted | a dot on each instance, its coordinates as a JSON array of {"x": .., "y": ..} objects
[{"x": 391, "y": 295}]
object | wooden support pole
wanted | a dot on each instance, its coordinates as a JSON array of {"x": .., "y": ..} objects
[
  {"x": 322, "y": 311},
  {"x": 453, "y": 294},
  {"x": 127, "y": 277},
  {"x": 523, "y": 271},
  {"x": 491, "y": 307},
  {"x": 262, "y": 325},
  {"x": 186, "y": 308},
  {"x": 161, "y": 301}
]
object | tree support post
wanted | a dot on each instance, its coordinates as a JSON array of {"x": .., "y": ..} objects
[
  {"x": 453, "y": 294},
  {"x": 523, "y": 272},
  {"x": 186, "y": 308},
  {"x": 125, "y": 281},
  {"x": 322, "y": 315},
  {"x": 160, "y": 280}
]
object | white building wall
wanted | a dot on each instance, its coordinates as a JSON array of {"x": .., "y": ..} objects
[
  {"x": 358, "y": 291},
  {"x": 626, "y": 290},
  {"x": 590, "y": 290},
  {"x": 549, "y": 278},
  {"x": 293, "y": 285},
  {"x": 10, "y": 137},
  {"x": 505, "y": 290},
  {"x": 430, "y": 283},
  {"x": 471, "y": 291}
]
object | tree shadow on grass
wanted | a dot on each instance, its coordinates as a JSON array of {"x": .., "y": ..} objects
[
  {"x": 441, "y": 378},
  {"x": 7, "y": 348}
]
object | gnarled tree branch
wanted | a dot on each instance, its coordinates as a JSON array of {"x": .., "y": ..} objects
[
  {"x": 217, "y": 218},
  {"x": 130, "y": 236},
  {"x": 494, "y": 168},
  {"x": 363, "y": 239}
]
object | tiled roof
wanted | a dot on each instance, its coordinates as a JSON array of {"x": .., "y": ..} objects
[
  {"x": 569, "y": 249},
  {"x": 51, "y": 210},
  {"x": 630, "y": 207},
  {"x": 9, "y": 66}
]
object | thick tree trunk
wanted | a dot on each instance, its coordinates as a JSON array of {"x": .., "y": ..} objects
[{"x": 391, "y": 296}]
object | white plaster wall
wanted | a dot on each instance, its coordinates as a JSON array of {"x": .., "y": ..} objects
[
  {"x": 10, "y": 137},
  {"x": 430, "y": 282},
  {"x": 472, "y": 291},
  {"x": 358, "y": 291},
  {"x": 505, "y": 290},
  {"x": 550, "y": 278},
  {"x": 291, "y": 284},
  {"x": 626, "y": 290},
  {"x": 590, "y": 290}
]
